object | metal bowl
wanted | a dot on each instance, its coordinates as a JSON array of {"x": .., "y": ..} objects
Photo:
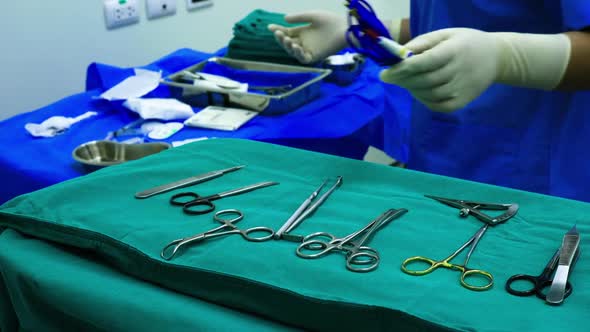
[
  {"x": 344, "y": 74},
  {"x": 105, "y": 153}
]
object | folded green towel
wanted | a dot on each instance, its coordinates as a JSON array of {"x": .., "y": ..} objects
[{"x": 253, "y": 41}]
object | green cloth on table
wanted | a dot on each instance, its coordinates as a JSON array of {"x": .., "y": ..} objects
[
  {"x": 253, "y": 41},
  {"x": 55, "y": 288},
  {"x": 99, "y": 213}
]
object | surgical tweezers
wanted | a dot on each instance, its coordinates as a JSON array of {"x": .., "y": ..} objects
[{"x": 304, "y": 210}]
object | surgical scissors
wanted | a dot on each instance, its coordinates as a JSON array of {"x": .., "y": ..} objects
[
  {"x": 539, "y": 282},
  {"x": 465, "y": 209},
  {"x": 359, "y": 258},
  {"x": 202, "y": 205},
  {"x": 172, "y": 248},
  {"x": 186, "y": 182}
]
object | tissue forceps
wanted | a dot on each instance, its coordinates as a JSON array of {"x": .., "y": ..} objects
[
  {"x": 201, "y": 205},
  {"x": 228, "y": 227},
  {"x": 304, "y": 210},
  {"x": 359, "y": 258}
]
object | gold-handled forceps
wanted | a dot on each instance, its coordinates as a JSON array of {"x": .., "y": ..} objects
[{"x": 466, "y": 208}]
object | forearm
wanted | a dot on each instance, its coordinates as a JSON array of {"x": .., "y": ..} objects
[
  {"x": 549, "y": 62},
  {"x": 576, "y": 76}
]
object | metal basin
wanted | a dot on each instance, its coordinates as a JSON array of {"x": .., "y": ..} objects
[{"x": 98, "y": 154}]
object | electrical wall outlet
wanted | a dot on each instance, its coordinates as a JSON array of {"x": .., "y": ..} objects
[
  {"x": 118, "y": 13},
  {"x": 196, "y": 4},
  {"x": 159, "y": 8}
]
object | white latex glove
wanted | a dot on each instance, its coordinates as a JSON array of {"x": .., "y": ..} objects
[
  {"x": 323, "y": 36},
  {"x": 451, "y": 67}
]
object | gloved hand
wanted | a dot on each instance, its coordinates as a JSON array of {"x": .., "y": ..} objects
[
  {"x": 451, "y": 67},
  {"x": 324, "y": 35}
]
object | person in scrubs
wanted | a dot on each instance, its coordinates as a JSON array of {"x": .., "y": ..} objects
[{"x": 500, "y": 87}]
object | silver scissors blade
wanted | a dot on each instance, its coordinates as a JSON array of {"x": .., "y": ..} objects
[
  {"x": 246, "y": 189},
  {"x": 185, "y": 182}
]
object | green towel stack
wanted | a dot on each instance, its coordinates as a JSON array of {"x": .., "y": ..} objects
[{"x": 253, "y": 41}]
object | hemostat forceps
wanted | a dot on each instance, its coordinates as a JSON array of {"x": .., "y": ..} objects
[
  {"x": 228, "y": 227},
  {"x": 466, "y": 208},
  {"x": 359, "y": 258}
]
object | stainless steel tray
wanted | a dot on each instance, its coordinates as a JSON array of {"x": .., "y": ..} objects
[{"x": 268, "y": 104}]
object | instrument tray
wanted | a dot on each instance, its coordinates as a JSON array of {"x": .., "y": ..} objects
[{"x": 305, "y": 85}]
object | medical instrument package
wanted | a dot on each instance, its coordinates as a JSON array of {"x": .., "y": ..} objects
[
  {"x": 164, "y": 130},
  {"x": 143, "y": 82},
  {"x": 272, "y": 88},
  {"x": 220, "y": 118},
  {"x": 159, "y": 108}
]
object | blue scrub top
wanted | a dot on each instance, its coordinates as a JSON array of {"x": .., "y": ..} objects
[{"x": 520, "y": 138}]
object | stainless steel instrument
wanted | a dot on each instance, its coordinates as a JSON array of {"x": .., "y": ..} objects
[{"x": 185, "y": 182}]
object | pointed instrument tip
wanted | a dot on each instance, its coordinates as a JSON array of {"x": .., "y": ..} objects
[
  {"x": 231, "y": 169},
  {"x": 437, "y": 198},
  {"x": 573, "y": 230}
]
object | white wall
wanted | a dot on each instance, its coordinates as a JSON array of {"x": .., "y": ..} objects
[{"x": 47, "y": 45}]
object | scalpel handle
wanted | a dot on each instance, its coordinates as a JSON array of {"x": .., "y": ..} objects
[
  {"x": 567, "y": 252},
  {"x": 178, "y": 184},
  {"x": 557, "y": 291}
]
